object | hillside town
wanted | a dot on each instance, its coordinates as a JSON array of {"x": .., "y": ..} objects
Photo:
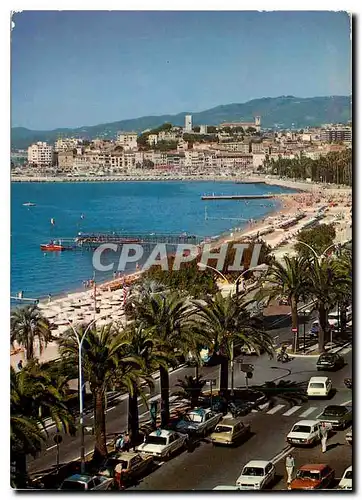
[{"x": 226, "y": 150}]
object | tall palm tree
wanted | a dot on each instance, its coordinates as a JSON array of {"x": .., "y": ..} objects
[
  {"x": 287, "y": 279},
  {"x": 140, "y": 346},
  {"x": 104, "y": 365},
  {"x": 33, "y": 397},
  {"x": 226, "y": 323},
  {"x": 26, "y": 325},
  {"x": 164, "y": 316},
  {"x": 325, "y": 284}
]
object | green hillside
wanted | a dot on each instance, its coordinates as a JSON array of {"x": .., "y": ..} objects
[{"x": 284, "y": 112}]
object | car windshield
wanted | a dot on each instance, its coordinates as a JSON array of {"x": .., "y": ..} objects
[
  {"x": 301, "y": 428},
  {"x": 308, "y": 474},
  {"x": 317, "y": 385},
  {"x": 156, "y": 440},
  {"x": 335, "y": 410},
  {"x": 348, "y": 475},
  {"x": 223, "y": 428},
  {"x": 194, "y": 417},
  {"x": 73, "y": 485},
  {"x": 253, "y": 471},
  {"x": 333, "y": 316}
]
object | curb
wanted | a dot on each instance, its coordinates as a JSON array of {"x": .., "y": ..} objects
[{"x": 333, "y": 351}]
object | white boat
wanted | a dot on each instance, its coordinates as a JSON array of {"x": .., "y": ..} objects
[{"x": 29, "y": 204}]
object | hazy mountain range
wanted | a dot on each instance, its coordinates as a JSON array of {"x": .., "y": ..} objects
[{"x": 281, "y": 112}]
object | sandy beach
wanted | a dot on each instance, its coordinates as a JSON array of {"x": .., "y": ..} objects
[{"x": 105, "y": 302}]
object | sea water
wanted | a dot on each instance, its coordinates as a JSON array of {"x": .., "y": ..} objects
[{"x": 134, "y": 207}]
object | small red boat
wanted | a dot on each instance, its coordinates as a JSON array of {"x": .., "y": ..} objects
[{"x": 53, "y": 246}]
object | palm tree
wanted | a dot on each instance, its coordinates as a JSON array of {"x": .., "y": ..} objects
[
  {"x": 33, "y": 397},
  {"x": 190, "y": 388},
  {"x": 104, "y": 365},
  {"x": 286, "y": 279},
  {"x": 164, "y": 316},
  {"x": 27, "y": 324},
  {"x": 326, "y": 284},
  {"x": 140, "y": 346},
  {"x": 226, "y": 323},
  {"x": 344, "y": 268}
]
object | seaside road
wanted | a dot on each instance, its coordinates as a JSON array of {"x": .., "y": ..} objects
[
  {"x": 117, "y": 413},
  {"x": 206, "y": 466}
]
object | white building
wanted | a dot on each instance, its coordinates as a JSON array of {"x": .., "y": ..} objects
[
  {"x": 188, "y": 123},
  {"x": 128, "y": 140},
  {"x": 40, "y": 154},
  {"x": 203, "y": 129},
  {"x": 64, "y": 144},
  {"x": 152, "y": 139}
]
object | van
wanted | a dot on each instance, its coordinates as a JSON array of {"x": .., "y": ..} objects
[
  {"x": 228, "y": 431},
  {"x": 319, "y": 386}
]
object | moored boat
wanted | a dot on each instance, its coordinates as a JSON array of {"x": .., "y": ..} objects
[
  {"x": 53, "y": 246},
  {"x": 29, "y": 204}
]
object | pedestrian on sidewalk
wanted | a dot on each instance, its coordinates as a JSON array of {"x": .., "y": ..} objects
[
  {"x": 324, "y": 436},
  {"x": 289, "y": 465}
]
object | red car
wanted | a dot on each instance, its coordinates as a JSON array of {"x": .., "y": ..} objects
[{"x": 313, "y": 477}]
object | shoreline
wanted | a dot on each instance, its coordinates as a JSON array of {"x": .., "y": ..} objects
[{"x": 310, "y": 203}]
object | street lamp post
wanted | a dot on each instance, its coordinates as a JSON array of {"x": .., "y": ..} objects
[{"x": 80, "y": 377}]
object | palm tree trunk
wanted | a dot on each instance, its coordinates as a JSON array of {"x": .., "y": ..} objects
[
  {"x": 343, "y": 319},
  {"x": 322, "y": 333},
  {"x": 133, "y": 419},
  {"x": 294, "y": 310},
  {"x": 165, "y": 396},
  {"x": 100, "y": 447},
  {"x": 224, "y": 375}
]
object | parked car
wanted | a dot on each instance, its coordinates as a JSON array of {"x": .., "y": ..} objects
[
  {"x": 131, "y": 464},
  {"x": 313, "y": 477},
  {"x": 304, "y": 432},
  {"x": 338, "y": 416},
  {"x": 349, "y": 436},
  {"x": 199, "y": 421},
  {"x": 163, "y": 443},
  {"x": 86, "y": 482},
  {"x": 329, "y": 361},
  {"x": 346, "y": 481},
  {"x": 256, "y": 475},
  {"x": 229, "y": 430},
  {"x": 319, "y": 386}
]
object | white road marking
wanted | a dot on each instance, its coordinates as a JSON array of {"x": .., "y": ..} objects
[
  {"x": 308, "y": 411},
  {"x": 275, "y": 409},
  {"x": 346, "y": 403},
  {"x": 111, "y": 408},
  {"x": 281, "y": 455},
  {"x": 51, "y": 447},
  {"x": 292, "y": 410}
]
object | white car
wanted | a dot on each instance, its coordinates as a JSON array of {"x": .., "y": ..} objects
[
  {"x": 163, "y": 443},
  {"x": 199, "y": 421},
  {"x": 233, "y": 488},
  {"x": 319, "y": 386},
  {"x": 346, "y": 482},
  {"x": 304, "y": 432},
  {"x": 256, "y": 475}
]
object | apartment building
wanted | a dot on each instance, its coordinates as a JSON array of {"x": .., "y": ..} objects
[
  {"x": 40, "y": 154},
  {"x": 65, "y": 143},
  {"x": 128, "y": 140},
  {"x": 239, "y": 147},
  {"x": 334, "y": 134}
]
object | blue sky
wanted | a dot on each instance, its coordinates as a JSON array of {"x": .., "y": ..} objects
[{"x": 86, "y": 67}]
